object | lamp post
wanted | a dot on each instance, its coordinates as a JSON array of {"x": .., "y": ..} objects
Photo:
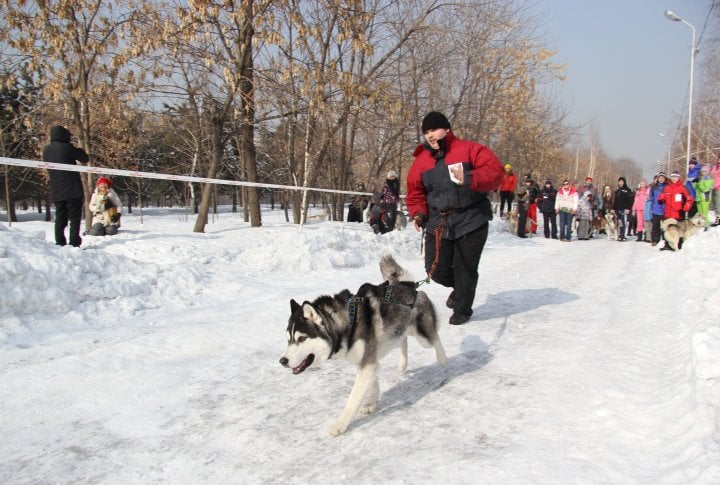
[
  {"x": 671, "y": 16},
  {"x": 667, "y": 160}
]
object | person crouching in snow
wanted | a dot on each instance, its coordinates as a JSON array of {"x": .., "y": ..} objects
[{"x": 105, "y": 206}]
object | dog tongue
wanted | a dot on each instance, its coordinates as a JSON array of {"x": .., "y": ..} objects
[{"x": 303, "y": 365}]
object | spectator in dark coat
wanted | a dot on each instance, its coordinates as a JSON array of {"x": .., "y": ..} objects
[
  {"x": 623, "y": 202},
  {"x": 66, "y": 189},
  {"x": 546, "y": 202},
  {"x": 522, "y": 210},
  {"x": 358, "y": 205},
  {"x": 591, "y": 188},
  {"x": 383, "y": 210},
  {"x": 533, "y": 192}
]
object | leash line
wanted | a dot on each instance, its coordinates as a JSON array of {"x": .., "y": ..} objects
[{"x": 438, "y": 238}]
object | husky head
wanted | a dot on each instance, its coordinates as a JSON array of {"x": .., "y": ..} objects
[
  {"x": 697, "y": 220},
  {"x": 308, "y": 340}
]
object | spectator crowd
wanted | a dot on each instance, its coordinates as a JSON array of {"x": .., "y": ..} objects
[{"x": 622, "y": 211}]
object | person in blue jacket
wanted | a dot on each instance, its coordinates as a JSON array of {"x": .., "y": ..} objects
[
  {"x": 693, "y": 176},
  {"x": 658, "y": 209}
]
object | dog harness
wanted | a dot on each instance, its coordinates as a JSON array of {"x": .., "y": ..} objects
[{"x": 388, "y": 297}]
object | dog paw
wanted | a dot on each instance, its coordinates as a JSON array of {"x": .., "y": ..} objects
[
  {"x": 338, "y": 428},
  {"x": 402, "y": 365},
  {"x": 368, "y": 409}
]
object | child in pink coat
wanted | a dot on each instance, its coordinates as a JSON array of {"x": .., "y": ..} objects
[
  {"x": 715, "y": 174},
  {"x": 638, "y": 208}
]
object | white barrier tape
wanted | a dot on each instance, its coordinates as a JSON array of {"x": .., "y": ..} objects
[{"x": 162, "y": 176}]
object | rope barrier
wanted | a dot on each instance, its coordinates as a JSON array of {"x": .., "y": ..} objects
[{"x": 161, "y": 176}]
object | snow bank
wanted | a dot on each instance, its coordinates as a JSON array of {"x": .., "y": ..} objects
[{"x": 40, "y": 282}]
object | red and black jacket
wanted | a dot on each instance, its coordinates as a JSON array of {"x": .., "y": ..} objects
[{"x": 430, "y": 191}]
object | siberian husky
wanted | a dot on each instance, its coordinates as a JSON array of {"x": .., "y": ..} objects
[
  {"x": 513, "y": 221},
  {"x": 319, "y": 217},
  {"x": 401, "y": 220},
  {"x": 362, "y": 328},
  {"x": 611, "y": 224},
  {"x": 674, "y": 230}
]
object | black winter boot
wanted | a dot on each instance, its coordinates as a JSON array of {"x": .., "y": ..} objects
[{"x": 639, "y": 237}]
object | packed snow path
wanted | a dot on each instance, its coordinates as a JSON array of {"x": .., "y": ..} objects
[{"x": 153, "y": 357}]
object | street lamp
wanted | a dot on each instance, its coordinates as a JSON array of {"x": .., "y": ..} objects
[
  {"x": 667, "y": 160},
  {"x": 671, "y": 16}
]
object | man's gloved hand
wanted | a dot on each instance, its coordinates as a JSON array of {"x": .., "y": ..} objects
[
  {"x": 115, "y": 217},
  {"x": 419, "y": 221}
]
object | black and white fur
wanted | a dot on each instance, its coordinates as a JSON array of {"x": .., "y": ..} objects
[{"x": 328, "y": 328}]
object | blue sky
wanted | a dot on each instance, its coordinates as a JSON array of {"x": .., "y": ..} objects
[{"x": 628, "y": 68}]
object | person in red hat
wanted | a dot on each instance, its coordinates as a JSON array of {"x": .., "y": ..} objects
[{"x": 106, "y": 207}]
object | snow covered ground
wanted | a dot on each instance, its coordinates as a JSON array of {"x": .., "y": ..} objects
[{"x": 153, "y": 357}]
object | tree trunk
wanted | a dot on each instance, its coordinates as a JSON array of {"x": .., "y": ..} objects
[
  {"x": 247, "y": 110},
  {"x": 12, "y": 215},
  {"x": 216, "y": 128}
]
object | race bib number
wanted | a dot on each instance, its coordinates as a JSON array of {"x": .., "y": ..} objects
[{"x": 678, "y": 197}]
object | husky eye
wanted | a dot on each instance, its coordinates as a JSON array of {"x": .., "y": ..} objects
[{"x": 302, "y": 339}]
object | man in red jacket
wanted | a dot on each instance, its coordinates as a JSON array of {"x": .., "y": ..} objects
[
  {"x": 676, "y": 199},
  {"x": 447, "y": 188}
]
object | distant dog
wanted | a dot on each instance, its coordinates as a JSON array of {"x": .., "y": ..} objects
[
  {"x": 611, "y": 225},
  {"x": 401, "y": 221},
  {"x": 361, "y": 329},
  {"x": 320, "y": 216},
  {"x": 110, "y": 216},
  {"x": 674, "y": 231},
  {"x": 528, "y": 226},
  {"x": 513, "y": 220}
]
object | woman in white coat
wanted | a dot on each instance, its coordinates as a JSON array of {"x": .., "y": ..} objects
[{"x": 105, "y": 206}]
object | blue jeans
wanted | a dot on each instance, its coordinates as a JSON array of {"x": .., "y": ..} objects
[
  {"x": 622, "y": 223},
  {"x": 566, "y": 219}
]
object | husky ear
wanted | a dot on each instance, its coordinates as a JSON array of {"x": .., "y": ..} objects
[
  {"x": 293, "y": 306},
  {"x": 311, "y": 314}
]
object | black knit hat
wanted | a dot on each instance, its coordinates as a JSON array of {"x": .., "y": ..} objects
[{"x": 434, "y": 120}]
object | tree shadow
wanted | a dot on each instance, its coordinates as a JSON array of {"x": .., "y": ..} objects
[{"x": 507, "y": 303}]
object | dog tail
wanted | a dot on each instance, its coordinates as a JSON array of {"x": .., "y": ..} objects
[
  {"x": 392, "y": 271},
  {"x": 667, "y": 223}
]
